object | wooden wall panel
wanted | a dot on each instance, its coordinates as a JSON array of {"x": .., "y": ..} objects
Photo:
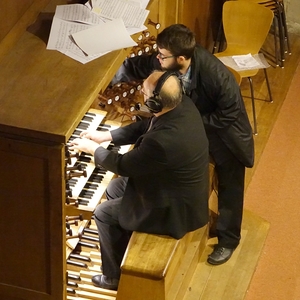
[
  {"x": 32, "y": 253},
  {"x": 202, "y": 17}
]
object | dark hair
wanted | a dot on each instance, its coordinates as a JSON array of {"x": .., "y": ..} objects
[{"x": 178, "y": 39}]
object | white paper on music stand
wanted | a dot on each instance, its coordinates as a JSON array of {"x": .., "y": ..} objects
[
  {"x": 61, "y": 41},
  {"x": 77, "y": 13},
  {"x": 104, "y": 37},
  {"x": 129, "y": 11},
  {"x": 141, "y": 3}
]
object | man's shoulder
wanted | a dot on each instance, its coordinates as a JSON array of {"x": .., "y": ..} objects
[{"x": 200, "y": 49}]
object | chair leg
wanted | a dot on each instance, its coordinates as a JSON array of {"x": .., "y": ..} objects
[
  {"x": 268, "y": 85},
  {"x": 281, "y": 32},
  {"x": 218, "y": 43},
  {"x": 253, "y": 106},
  {"x": 275, "y": 26},
  {"x": 286, "y": 35},
  {"x": 219, "y": 39}
]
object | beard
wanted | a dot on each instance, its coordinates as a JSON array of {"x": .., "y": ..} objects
[{"x": 175, "y": 66}]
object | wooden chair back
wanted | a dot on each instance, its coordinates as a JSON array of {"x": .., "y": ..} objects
[
  {"x": 236, "y": 75},
  {"x": 246, "y": 26}
]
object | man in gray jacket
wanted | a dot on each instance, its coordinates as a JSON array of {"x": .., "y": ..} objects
[
  {"x": 216, "y": 94},
  {"x": 163, "y": 183}
]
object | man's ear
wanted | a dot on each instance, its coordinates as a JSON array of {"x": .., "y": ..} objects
[{"x": 181, "y": 59}]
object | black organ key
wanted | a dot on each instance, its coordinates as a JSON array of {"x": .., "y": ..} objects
[
  {"x": 103, "y": 127},
  {"x": 91, "y": 186},
  {"x": 83, "y": 125}
]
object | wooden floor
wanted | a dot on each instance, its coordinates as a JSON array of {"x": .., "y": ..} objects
[{"x": 231, "y": 280}]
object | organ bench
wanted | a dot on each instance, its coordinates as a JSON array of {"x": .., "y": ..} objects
[{"x": 160, "y": 267}]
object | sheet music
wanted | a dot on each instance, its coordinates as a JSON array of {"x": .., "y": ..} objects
[
  {"x": 130, "y": 11},
  {"x": 77, "y": 13},
  {"x": 70, "y": 20},
  {"x": 103, "y": 38},
  {"x": 143, "y": 3},
  {"x": 60, "y": 40}
]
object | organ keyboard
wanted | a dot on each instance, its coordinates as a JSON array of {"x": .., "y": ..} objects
[{"x": 89, "y": 188}]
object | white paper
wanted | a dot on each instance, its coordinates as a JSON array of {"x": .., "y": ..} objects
[
  {"x": 141, "y": 3},
  {"x": 133, "y": 30},
  {"x": 130, "y": 11},
  {"x": 60, "y": 34},
  {"x": 60, "y": 40},
  {"x": 105, "y": 37},
  {"x": 79, "y": 18},
  {"x": 244, "y": 63},
  {"x": 77, "y": 13}
]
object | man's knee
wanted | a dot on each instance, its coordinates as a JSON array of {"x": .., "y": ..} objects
[
  {"x": 103, "y": 212},
  {"x": 108, "y": 211},
  {"x": 116, "y": 188}
]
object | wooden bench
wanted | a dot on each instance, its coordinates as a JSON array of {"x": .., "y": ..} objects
[{"x": 158, "y": 267}]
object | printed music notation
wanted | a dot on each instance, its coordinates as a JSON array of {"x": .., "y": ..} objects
[{"x": 85, "y": 33}]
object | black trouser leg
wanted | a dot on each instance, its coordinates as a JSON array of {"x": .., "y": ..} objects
[
  {"x": 112, "y": 237},
  {"x": 231, "y": 177}
]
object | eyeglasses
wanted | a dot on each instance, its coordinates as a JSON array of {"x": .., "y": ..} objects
[{"x": 162, "y": 57}]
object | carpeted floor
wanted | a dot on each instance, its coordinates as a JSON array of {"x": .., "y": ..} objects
[{"x": 274, "y": 194}]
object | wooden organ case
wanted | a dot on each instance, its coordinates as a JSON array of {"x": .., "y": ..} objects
[{"x": 43, "y": 96}]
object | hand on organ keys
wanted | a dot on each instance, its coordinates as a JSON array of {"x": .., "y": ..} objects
[
  {"x": 89, "y": 141},
  {"x": 97, "y": 136},
  {"x": 84, "y": 144}
]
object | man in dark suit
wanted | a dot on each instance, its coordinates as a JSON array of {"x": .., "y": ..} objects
[
  {"x": 163, "y": 183},
  {"x": 216, "y": 94}
]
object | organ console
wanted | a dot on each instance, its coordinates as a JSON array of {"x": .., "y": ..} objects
[
  {"x": 48, "y": 245},
  {"x": 44, "y": 96}
]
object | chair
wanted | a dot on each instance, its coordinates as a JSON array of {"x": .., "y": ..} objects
[
  {"x": 279, "y": 28},
  {"x": 246, "y": 26},
  {"x": 236, "y": 75}
]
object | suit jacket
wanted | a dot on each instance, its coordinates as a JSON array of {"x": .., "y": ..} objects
[
  {"x": 167, "y": 190},
  {"x": 216, "y": 94}
]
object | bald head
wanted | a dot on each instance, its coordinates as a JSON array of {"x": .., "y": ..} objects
[{"x": 170, "y": 94}]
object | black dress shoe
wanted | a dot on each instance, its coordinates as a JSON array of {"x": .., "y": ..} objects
[
  {"x": 105, "y": 282},
  {"x": 220, "y": 255}
]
